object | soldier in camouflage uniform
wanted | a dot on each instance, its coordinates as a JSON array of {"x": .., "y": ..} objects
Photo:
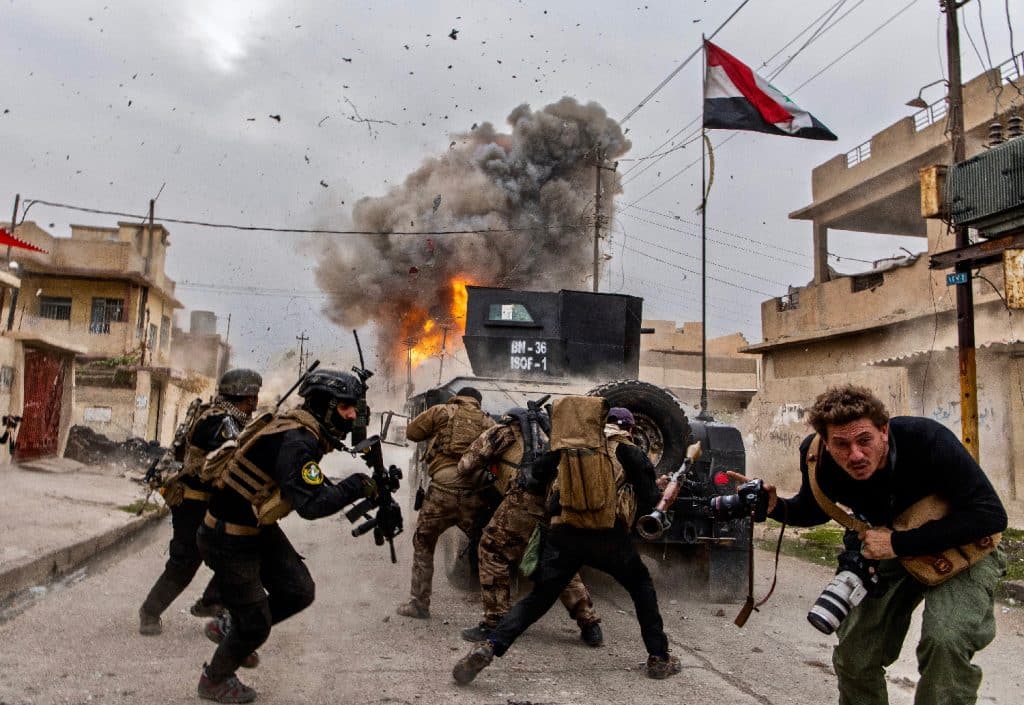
[
  {"x": 450, "y": 499},
  {"x": 499, "y": 452},
  {"x": 221, "y": 421}
]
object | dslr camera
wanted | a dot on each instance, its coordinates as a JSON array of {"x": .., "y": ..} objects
[
  {"x": 853, "y": 582},
  {"x": 749, "y": 499}
]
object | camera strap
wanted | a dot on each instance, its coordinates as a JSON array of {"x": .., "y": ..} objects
[
  {"x": 750, "y": 605},
  {"x": 828, "y": 506}
]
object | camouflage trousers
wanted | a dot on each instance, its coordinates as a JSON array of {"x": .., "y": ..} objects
[
  {"x": 441, "y": 510},
  {"x": 502, "y": 547}
]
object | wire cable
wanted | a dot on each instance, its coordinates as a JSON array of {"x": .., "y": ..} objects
[
  {"x": 681, "y": 66},
  {"x": 310, "y": 231}
]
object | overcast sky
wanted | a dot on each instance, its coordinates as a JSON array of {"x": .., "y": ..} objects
[{"x": 103, "y": 103}]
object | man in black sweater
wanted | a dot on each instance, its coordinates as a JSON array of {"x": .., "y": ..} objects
[{"x": 878, "y": 467}]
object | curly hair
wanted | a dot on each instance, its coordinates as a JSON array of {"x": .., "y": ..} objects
[{"x": 846, "y": 403}]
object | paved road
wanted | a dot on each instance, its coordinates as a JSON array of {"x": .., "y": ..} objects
[{"x": 79, "y": 644}]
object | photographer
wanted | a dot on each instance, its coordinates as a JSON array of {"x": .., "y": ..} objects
[{"x": 879, "y": 467}]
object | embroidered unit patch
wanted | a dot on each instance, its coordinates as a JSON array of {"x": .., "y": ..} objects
[{"x": 311, "y": 474}]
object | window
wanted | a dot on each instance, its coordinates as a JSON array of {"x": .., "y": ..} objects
[
  {"x": 56, "y": 308},
  {"x": 509, "y": 312},
  {"x": 105, "y": 312},
  {"x": 165, "y": 332}
]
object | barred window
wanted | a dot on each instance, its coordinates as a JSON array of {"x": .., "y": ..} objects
[
  {"x": 105, "y": 312},
  {"x": 56, "y": 308},
  {"x": 165, "y": 331}
]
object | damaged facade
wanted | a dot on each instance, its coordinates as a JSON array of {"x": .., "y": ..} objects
[
  {"x": 104, "y": 293},
  {"x": 893, "y": 327}
]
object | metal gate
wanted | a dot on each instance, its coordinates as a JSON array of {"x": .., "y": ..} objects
[{"x": 44, "y": 390}]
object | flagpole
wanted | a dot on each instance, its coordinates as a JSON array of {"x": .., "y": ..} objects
[{"x": 704, "y": 414}]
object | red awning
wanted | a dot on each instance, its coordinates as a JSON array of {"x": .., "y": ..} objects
[{"x": 7, "y": 239}]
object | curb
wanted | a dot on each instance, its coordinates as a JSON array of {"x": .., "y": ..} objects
[{"x": 61, "y": 561}]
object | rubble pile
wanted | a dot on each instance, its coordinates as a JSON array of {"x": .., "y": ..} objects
[{"x": 134, "y": 454}]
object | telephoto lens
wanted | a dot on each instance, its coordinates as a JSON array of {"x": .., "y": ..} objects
[{"x": 835, "y": 602}]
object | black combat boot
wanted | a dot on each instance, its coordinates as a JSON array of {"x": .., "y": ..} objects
[
  {"x": 591, "y": 634},
  {"x": 228, "y": 690},
  {"x": 149, "y": 625}
]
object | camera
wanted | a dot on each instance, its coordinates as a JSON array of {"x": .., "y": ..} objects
[
  {"x": 852, "y": 583},
  {"x": 750, "y": 498}
]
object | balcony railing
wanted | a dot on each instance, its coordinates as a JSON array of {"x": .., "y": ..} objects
[{"x": 858, "y": 154}]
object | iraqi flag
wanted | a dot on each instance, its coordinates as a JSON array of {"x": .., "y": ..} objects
[{"x": 736, "y": 98}]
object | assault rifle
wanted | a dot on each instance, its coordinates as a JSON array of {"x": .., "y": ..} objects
[{"x": 387, "y": 523}]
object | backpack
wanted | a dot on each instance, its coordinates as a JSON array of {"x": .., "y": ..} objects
[
  {"x": 465, "y": 423},
  {"x": 625, "y": 496},
  {"x": 586, "y": 473}
]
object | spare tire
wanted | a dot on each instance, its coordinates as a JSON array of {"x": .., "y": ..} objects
[{"x": 662, "y": 430}]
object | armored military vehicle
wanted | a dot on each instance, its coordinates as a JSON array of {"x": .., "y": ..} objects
[{"x": 524, "y": 345}]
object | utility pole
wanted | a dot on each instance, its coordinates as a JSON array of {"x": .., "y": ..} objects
[
  {"x": 598, "y": 216},
  {"x": 410, "y": 343},
  {"x": 445, "y": 327},
  {"x": 964, "y": 292},
  {"x": 302, "y": 351}
]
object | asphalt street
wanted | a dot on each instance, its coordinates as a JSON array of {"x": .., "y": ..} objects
[{"x": 77, "y": 642}]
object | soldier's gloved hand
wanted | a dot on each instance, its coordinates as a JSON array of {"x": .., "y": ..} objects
[{"x": 361, "y": 485}]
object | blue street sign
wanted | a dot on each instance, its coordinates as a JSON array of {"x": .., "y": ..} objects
[{"x": 957, "y": 278}]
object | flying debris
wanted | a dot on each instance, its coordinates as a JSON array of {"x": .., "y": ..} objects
[
  {"x": 454, "y": 34},
  {"x": 275, "y": 117},
  {"x": 437, "y": 202}
]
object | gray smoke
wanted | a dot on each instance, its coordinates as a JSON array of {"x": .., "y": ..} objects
[{"x": 535, "y": 184}]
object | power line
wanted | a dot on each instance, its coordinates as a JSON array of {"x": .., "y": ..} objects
[
  {"x": 692, "y": 271},
  {"x": 868, "y": 36},
  {"x": 717, "y": 264},
  {"x": 681, "y": 66},
  {"x": 310, "y": 231}
]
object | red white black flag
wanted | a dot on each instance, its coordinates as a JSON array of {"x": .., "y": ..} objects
[{"x": 736, "y": 98}]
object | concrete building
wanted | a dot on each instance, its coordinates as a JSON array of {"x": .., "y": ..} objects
[
  {"x": 36, "y": 383},
  {"x": 201, "y": 349},
  {"x": 671, "y": 357},
  {"x": 893, "y": 326},
  {"x": 104, "y": 293}
]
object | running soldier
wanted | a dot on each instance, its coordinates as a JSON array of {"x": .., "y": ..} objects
[
  {"x": 451, "y": 500},
  {"x": 498, "y": 456},
  {"x": 208, "y": 427}
]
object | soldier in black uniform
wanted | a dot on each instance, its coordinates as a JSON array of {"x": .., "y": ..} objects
[
  {"x": 262, "y": 578},
  {"x": 221, "y": 421}
]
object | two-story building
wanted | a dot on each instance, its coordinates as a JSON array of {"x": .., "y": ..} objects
[
  {"x": 670, "y": 357},
  {"x": 104, "y": 291},
  {"x": 893, "y": 326}
]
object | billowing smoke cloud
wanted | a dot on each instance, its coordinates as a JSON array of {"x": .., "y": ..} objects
[{"x": 535, "y": 185}]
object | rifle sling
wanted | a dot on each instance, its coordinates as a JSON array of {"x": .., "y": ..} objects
[{"x": 827, "y": 505}]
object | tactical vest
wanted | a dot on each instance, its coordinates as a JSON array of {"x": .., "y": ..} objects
[
  {"x": 194, "y": 455},
  {"x": 247, "y": 478},
  {"x": 507, "y": 465},
  {"x": 466, "y": 421}
]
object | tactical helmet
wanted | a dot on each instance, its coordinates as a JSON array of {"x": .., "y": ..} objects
[
  {"x": 621, "y": 417},
  {"x": 470, "y": 392},
  {"x": 240, "y": 383},
  {"x": 341, "y": 386},
  {"x": 322, "y": 390}
]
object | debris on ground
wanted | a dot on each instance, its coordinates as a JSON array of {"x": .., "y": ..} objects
[{"x": 132, "y": 455}]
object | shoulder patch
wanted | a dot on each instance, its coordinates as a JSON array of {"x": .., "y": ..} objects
[{"x": 311, "y": 474}]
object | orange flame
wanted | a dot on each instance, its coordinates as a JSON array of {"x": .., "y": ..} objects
[{"x": 427, "y": 336}]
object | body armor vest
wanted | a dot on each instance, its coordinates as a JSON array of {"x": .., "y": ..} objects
[{"x": 250, "y": 480}]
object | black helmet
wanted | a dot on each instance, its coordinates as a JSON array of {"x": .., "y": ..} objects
[
  {"x": 322, "y": 390},
  {"x": 240, "y": 383}
]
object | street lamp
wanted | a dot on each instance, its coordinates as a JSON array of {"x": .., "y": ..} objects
[{"x": 918, "y": 101}]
